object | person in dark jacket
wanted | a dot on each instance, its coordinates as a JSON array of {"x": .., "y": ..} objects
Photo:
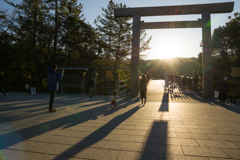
[
  {"x": 189, "y": 82},
  {"x": 184, "y": 81},
  {"x": 143, "y": 88},
  {"x": 233, "y": 89},
  {"x": 90, "y": 85},
  {"x": 222, "y": 87},
  {"x": 1, "y": 86},
  {"x": 52, "y": 84},
  {"x": 195, "y": 82}
]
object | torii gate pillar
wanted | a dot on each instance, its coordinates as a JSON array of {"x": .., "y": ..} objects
[
  {"x": 135, "y": 56},
  {"x": 207, "y": 56}
]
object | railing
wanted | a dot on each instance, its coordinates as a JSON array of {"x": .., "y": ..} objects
[
  {"x": 72, "y": 84},
  {"x": 123, "y": 88}
]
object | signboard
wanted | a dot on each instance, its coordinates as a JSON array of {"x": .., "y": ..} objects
[
  {"x": 109, "y": 74},
  {"x": 235, "y": 72}
]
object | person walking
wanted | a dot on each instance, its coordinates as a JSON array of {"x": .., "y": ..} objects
[
  {"x": 222, "y": 87},
  {"x": 52, "y": 84},
  {"x": 90, "y": 85},
  {"x": 195, "y": 83},
  {"x": 233, "y": 89},
  {"x": 113, "y": 99},
  {"x": 33, "y": 86},
  {"x": 189, "y": 81},
  {"x": 1, "y": 86},
  {"x": 184, "y": 81},
  {"x": 27, "y": 88},
  {"x": 143, "y": 88}
]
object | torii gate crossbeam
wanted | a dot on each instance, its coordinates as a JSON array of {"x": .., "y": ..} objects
[{"x": 204, "y": 9}]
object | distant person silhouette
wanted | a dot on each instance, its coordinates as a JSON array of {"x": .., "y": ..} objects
[
  {"x": 233, "y": 89},
  {"x": 90, "y": 85},
  {"x": 33, "y": 86},
  {"x": 143, "y": 88},
  {"x": 1, "y": 86},
  {"x": 222, "y": 87},
  {"x": 184, "y": 81},
  {"x": 189, "y": 81}
]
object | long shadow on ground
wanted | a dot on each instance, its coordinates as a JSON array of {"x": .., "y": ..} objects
[
  {"x": 186, "y": 95},
  {"x": 156, "y": 145},
  {"x": 95, "y": 137},
  {"x": 12, "y": 111},
  {"x": 14, "y": 137}
]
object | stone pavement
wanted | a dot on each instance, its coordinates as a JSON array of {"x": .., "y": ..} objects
[{"x": 178, "y": 125}]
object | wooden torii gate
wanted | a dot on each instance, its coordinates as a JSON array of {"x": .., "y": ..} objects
[{"x": 205, "y": 23}]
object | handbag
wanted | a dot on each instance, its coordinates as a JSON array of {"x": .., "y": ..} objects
[{"x": 216, "y": 94}]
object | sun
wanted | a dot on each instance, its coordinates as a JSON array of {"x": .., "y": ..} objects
[{"x": 165, "y": 50}]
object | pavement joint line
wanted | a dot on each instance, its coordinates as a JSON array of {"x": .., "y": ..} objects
[
  {"x": 225, "y": 152},
  {"x": 182, "y": 150}
]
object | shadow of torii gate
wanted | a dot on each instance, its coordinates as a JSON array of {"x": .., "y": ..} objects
[{"x": 205, "y": 23}]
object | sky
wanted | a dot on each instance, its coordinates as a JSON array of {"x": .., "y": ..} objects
[{"x": 165, "y": 43}]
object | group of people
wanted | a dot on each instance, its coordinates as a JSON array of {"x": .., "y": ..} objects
[
  {"x": 185, "y": 82},
  {"x": 223, "y": 87},
  {"x": 189, "y": 82},
  {"x": 53, "y": 79},
  {"x": 142, "y": 88}
]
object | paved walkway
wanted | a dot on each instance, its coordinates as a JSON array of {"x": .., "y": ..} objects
[{"x": 178, "y": 125}]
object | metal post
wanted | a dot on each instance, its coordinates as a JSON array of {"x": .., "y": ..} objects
[
  {"x": 207, "y": 56},
  {"x": 135, "y": 56},
  {"x": 117, "y": 83},
  {"x": 239, "y": 88},
  {"x": 94, "y": 84}
]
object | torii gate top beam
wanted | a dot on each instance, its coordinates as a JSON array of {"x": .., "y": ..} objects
[{"x": 175, "y": 10}]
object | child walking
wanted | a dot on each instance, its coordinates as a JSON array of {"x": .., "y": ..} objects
[{"x": 113, "y": 99}]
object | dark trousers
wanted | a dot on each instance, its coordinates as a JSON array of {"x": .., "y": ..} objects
[
  {"x": 232, "y": 99},
  {"x": 51, "y": 99},
  {"x": 184, "y": 85},
  {"x": 222, "y": 97},
  {"x": 189, "y": 86}
]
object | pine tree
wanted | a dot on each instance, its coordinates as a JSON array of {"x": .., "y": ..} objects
[
  {"x": 31, "y": 16},
  {"x": 116, "y": 33},
  {"x": 77, "y": 38},
  {"x": 106, "y": 25}
]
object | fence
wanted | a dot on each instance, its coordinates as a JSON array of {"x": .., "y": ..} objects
[
  {"x": 106, "y": 87},
  {"x": 72, "y": 84},
  {"x": 123, "y": 88}
]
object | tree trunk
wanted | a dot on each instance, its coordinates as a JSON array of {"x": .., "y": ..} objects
[
  {"x": 34, "y": 43},
  {"x": 56, "y": 27}
]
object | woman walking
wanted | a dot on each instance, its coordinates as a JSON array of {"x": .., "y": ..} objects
[
  {"x": 233, "y": 92},
  {"x": 143, "y": 88},
  {"x": 222, "y": 87}
]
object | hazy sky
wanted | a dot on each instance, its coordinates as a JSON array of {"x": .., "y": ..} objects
[{"x": 165, "y": 42}]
